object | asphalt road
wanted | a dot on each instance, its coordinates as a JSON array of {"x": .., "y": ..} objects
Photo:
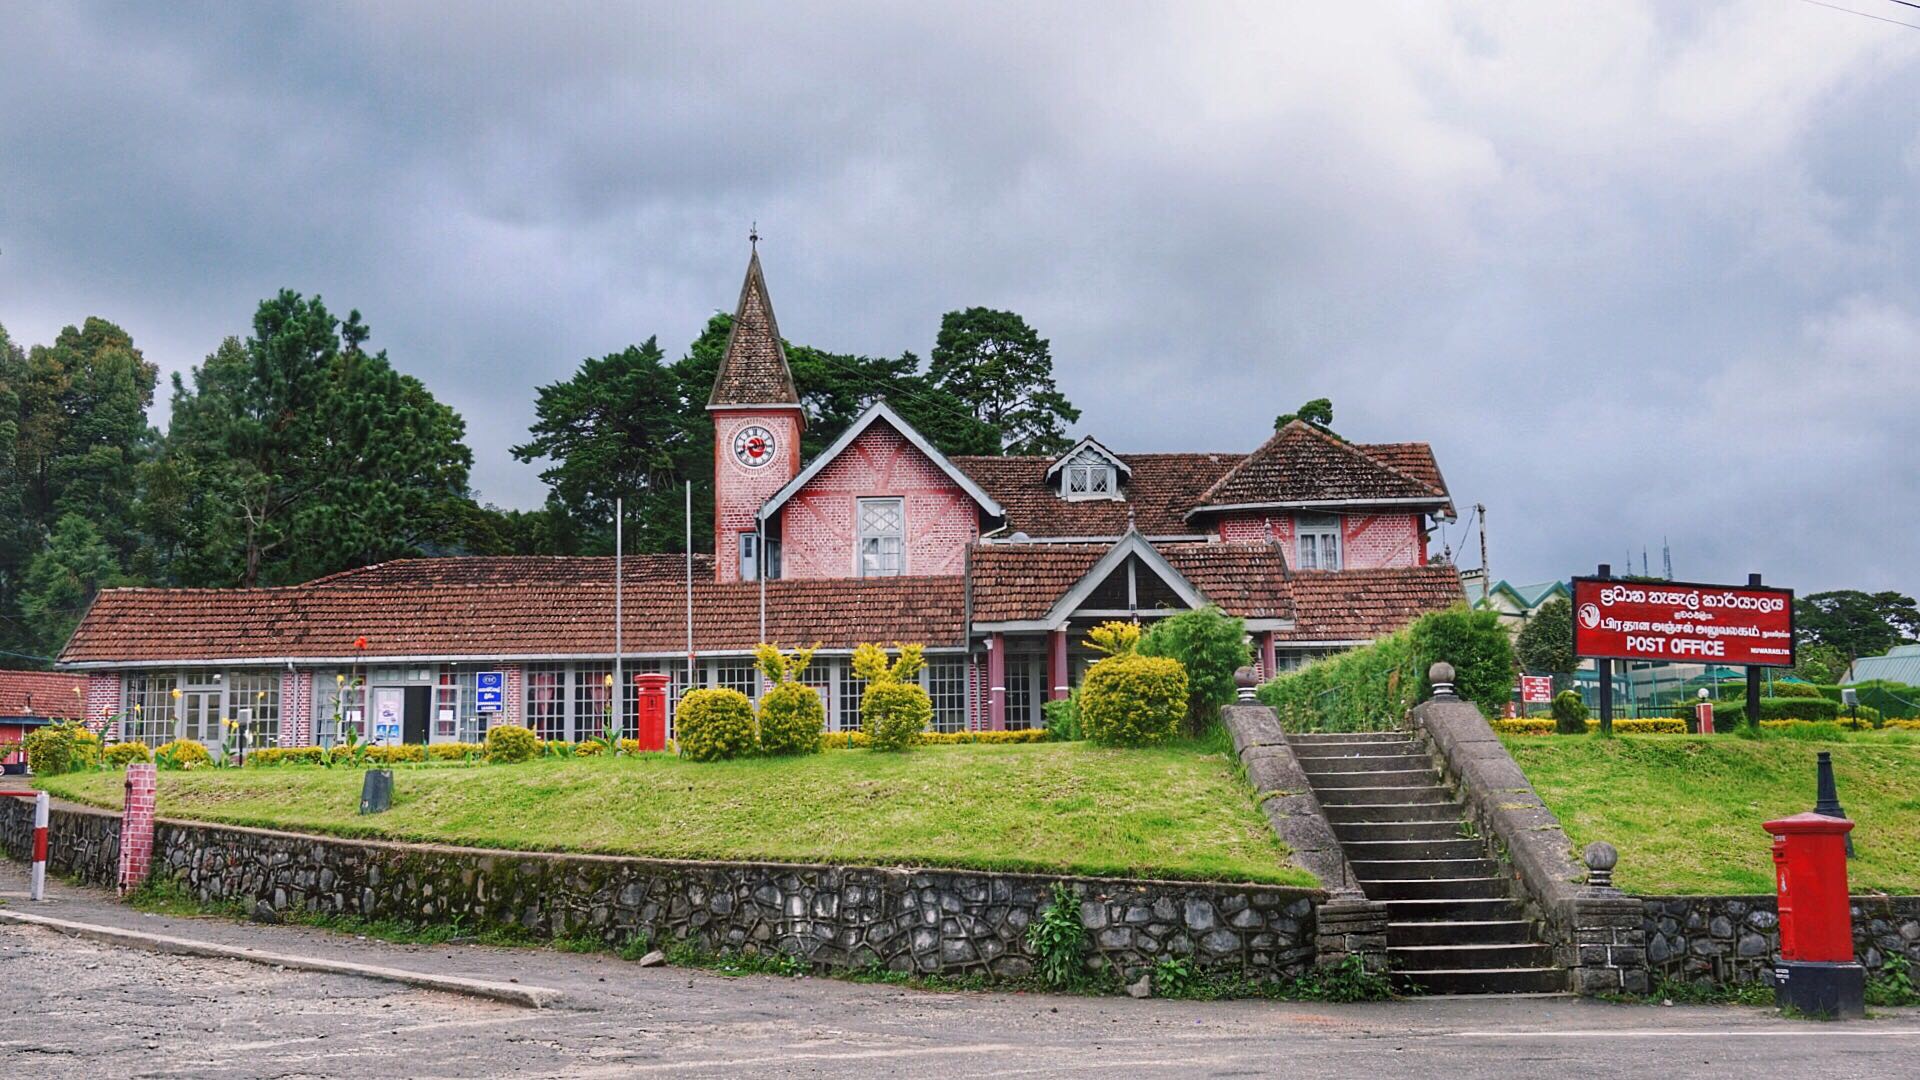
[{"x": 78, "y": 1009}]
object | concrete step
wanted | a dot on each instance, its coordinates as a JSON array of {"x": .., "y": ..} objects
[
  {"x": 1400, "y": 748},
  {"x": 1533, "y": 980},
  {"x": 1319, "y": 766},
  {"x": 1348, "y": 736},
  {"x": 1433, "y": 828},
  {"x": 1482, "y": 909},
  {"x": 1382, "y": 795},
  {"x": 1525, "y": 954},
  {"x": 1369, "y": 813},
  {"x": 1359, "y": 851},
  {"x": 1329, "y": 781},
  {"x": 1477, "y": 932},
  {"x": 1467, "y": 888},
  {"x": 1414, "y": 869}
]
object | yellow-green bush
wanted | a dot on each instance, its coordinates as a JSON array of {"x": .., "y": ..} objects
[
  {"x": 182, "y": 754},
  {"x": 454, "y": 751},
  {"x": 793, "y": 720},
  {"x": 121, "y": 755},
  {"x": 856, "y": 740},
  {"x": 59, "y": 748},
  {"x": 1639, "y": 725},
  {"x": 894, "y": 714},
  {"x": 714, "y": 724},
  {"x": 1131, "y": 700},
  {"x": 403, "y": 754},
  {"x": 1908, "y": 723},
  {"x": 508, "y": 744},
  {"x": 270, "y": 756}
]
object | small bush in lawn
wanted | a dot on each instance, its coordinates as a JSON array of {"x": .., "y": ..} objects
[
  {"x": 1211, "y": 646},
  {"x": 1130, "y": 700},
  {"x": 60, "y": 748},
  {"x": 121, "y": 755},
  {"x": 509, "y": 744},
  {"x": 793, "y": 720},
  {"x": 894, "y": 710},
  {"x": 182, "y": 754},
  {"x": 714, "y": 724},
  {"x": 1569, "y": 714}
]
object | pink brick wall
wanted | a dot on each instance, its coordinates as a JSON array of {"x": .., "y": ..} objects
[
  {"x": 817, "y": 526},
  {"x": 739, "y": 491},
  {"x": 510, "y": 708},
  {"x": 136, "y": 827},
  {"x": 103, "y": 703},
  {"x": 1367, "y": 541},
  {"x": 296, "y": 708}
]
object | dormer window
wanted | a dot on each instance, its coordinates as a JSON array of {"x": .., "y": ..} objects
[{"x": 1088, "y": 471}]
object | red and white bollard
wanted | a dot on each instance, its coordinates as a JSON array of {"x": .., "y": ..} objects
[{"x": 37, "y": 890}]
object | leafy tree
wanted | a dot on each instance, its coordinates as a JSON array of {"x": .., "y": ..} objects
[
  {"x": 1856, "y": 623},
  {"x": 993, "y": 367},
  {"x": 1211, "y": 645},
  {"x": 1318, "y": 412},
  {"x": 62, "y": 580},
  {"x": 1545, "y": 643},
  {"x": 299, "y": 453},
  {"x": 1821, "y": 664},
  {"x": 82, "y": 426}
]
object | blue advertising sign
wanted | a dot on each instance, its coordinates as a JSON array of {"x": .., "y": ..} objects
[{"x": 489, "y": 693}]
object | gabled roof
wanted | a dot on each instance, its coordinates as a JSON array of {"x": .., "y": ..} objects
[
  {"x": 1132, "y": 545},
  {"x": 881, "y": 412},
  {"x": 1028, "y": 583},
  {"x": 1528, "y": 597},
  {"x": 49, "y": 694},
  {"x": 753, "y": 369},
  {"x": 1089, "y": 443},
  {"x": 1161, "y": 488},
  {"x": 1359, "y": 605},
  {"x": 1302, "y": 466}
]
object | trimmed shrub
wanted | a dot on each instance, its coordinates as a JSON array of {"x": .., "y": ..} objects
[
  {"x": 1211, "y": 646},
  {"x": 403, "y": 754},
  {"x": 1371, "y": 688},
  {"x": 714, "y": 724},
  {"x": 1640, "y": 725},
  {"x": 454, "y": 751},
  {"x": 793, "y": 719},
  {"x": 1728, "y": 715},
  {"x": 121, "y": 755},
  {"x": 1476, "y": 645},
  {"x": 509, "y": 744},
  {"x": 1129, "y": 700},
  {"x": 1062, "y": 717},
  {"x": 894, "y": 714},
  {"x": 857, "y": 740},
  {"x": 271, "y": 756},
  {"x": 60, "y": 748},
  {"x": 1569, "y": 714},
  {"x": 1797, "y": 689},
  {"x": 182, "y": 754}
]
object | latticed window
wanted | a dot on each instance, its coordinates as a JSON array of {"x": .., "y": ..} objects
[
  {"x": 456, "y": 707},
  {"x": 592, "y": 699},
  {"x": 851, "y": 687},
  {"x": 1021, "y": 700},
  {"x": 1318, "y": 541},
  {"x": 547, "y": 700},
  {"x": 150, "y": 717},
  {"x": 253, "y": 701},
  {"x": 882, "y": 537},
  {"x": 738, "y": 675},
  {"x": 339, "y": 704},
  {"x": 946, "y": 681},
  {"x": 1089, "y": 476}
]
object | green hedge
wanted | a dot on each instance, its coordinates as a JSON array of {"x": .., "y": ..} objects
[
  {"x": 715, "y": 723},
  {"x": 1372, "y": 688},
  {"x": 1728, "y": 715}
]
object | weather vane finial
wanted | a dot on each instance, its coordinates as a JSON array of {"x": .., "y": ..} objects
[{"x": 753, "y": 236}]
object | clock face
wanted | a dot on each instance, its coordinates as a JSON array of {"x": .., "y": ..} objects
[{"x": 753, "y": 446}]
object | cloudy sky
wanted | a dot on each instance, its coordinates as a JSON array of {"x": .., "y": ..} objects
[{"x": 1636, "y": 270}]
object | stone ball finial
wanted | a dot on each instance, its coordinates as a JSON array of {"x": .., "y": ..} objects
[
  {"x": 1440, "y": 677},
  {"x": 1246, "y": 680},
  {"x": 1601, "y": 857}
]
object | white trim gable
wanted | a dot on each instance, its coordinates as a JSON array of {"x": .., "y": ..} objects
[
  {"x": 876, "y": 412},
  {"x": 1132, "y": 544},
  {"x": 1089, "y": 444}
]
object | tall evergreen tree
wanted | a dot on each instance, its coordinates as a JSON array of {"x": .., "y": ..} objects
[
  {"x": 62, "y": 579},
  {"x": 996, "y": 369}
]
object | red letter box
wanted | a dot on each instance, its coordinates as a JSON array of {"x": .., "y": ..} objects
[
  {"x": 652, "y": 693},
  {"x": 1817, "y": 973}
]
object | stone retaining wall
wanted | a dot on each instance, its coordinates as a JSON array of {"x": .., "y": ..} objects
[
  {"x": 1736, "y": 939},
  {"x": 954, "y": 922}
]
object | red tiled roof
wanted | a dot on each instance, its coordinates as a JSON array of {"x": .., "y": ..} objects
[
  {"x": 1159, "y": 491},
  {"x": 1304, "y": 464},
  {"x": 1413, "y": 458},
  {"x": 50, "y": 694},
  {"x": 514, "y": 570},
  {"x": 533, "y": 615},
  {"x": 1354, "y": 605},
  {"x": 1021, "y": 582},
  {"x": 753, "y": 370}
]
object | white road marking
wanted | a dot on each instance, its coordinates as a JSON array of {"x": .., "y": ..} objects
[{"x": 1796, "y": 1032}]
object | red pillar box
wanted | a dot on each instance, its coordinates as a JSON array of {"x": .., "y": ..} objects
[
  {"x": 652, "y": 701},
  {"x": 1817, "y": 974}
]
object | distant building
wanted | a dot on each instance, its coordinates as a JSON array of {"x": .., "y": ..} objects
[
  {"x": 31, "y": 699},
  {"x": 1515, "y": 604},
  {"x": 1901, "y": 665},
  {"x": 998, "y": 565}
]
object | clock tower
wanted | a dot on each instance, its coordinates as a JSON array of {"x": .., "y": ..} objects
[{"x": 756, "y": 427}]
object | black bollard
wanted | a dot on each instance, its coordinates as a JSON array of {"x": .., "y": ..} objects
[
  {"x": 376, "y": 791},
  {"x": 1826, "y": 800}
]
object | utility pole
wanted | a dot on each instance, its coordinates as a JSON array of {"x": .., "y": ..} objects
[
  {"x": 1486, "y": 576},
  {"x": 619, "y": 695}
]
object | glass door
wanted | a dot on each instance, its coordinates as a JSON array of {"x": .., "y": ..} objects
[{"x": 200, "y": 714}]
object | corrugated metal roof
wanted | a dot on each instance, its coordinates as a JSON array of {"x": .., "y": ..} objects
[{"x": 1902, "y": 665}]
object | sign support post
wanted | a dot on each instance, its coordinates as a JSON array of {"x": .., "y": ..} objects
[
  {"x": 1753, "y": 675},
  {"x": 1604, "y": 668}
]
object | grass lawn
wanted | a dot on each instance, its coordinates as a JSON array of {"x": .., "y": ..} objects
[
  {"x": 1685, "y": 811},
  {"x": 1177, "y": 812}
]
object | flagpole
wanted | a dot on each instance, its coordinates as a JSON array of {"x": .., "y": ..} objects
[
  {"x": 618, "y": 705},
  {"x": 691, "y": 682}
]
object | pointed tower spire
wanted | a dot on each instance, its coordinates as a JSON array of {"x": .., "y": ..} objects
[{"x": 753, "y": 370}]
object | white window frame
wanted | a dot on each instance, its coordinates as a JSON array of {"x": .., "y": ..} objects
[
  {"x": 1316, "y": 542},
  {"x": 749, "y": 556},
  {"x": 863, "y": 534},
  {"x": 1091, "y": 478}
]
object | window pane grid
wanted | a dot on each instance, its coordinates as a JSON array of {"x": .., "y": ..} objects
[
  {"x": 254, "y": 702},
  {"x": 547, "y": 700},
  {"x": 947, "y": 685}
]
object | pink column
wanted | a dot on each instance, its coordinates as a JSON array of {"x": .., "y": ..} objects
[
  {"x": 136, "y": 827},
  {"x": 1269, "y": 666},
  {"x": 1057, "y": 687},
  {"x": 997, "y": 682}
]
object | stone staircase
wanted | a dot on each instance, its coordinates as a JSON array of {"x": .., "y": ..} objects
[{"x": 1455, "y": 925}]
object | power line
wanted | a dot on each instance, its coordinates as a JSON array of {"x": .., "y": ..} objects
[{"x": 1864, "y": 15}]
